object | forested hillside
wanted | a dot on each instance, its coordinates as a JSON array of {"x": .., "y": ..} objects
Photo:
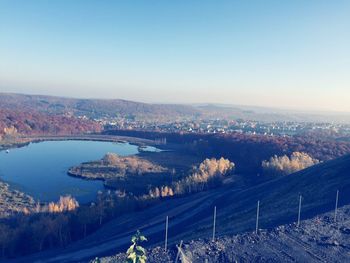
[
  {"x": 95, "y": 108},
  {"x": 29, "y": 122}
]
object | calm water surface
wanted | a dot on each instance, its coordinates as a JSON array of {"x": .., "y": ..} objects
[{"x": 40, "y": 169}]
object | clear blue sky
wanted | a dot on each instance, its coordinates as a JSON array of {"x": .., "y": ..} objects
[{"x": 284, "y": 53}]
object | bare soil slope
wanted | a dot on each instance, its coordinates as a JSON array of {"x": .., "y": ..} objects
[{"x": 319, "y": 239}]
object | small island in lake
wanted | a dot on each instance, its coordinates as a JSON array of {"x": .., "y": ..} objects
[
  {"x": 113, "y": 165},
  {"x": 128, "y": 173}
]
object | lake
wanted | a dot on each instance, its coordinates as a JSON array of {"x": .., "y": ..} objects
[{"x": 40, "y": 169}]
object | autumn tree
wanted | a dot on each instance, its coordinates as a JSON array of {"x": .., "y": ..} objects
[
  {"x": 285, "y": 165},
  {"x": 65, "y": 203},
  {"x": 209, "y": 173}
]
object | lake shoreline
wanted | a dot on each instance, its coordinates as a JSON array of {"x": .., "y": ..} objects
[
  {"x": 13, "y": 193},
  {"x": 26, "y": 140},
  {"x": 13, "y": 201}
]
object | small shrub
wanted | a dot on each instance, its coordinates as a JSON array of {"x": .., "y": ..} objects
[
  {"x": 96, "y": 260},
  {"x": 136, "y": 253}
]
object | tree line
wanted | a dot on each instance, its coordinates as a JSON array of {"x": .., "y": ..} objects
[{"x": 237, "y": 147}]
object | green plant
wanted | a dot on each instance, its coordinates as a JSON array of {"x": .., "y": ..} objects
[{"x": 136, "y": 253}]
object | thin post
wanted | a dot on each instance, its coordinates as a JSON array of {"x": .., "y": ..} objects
[
  {"x": 257, "y": 218},
  {"x": 166, "y": 232},
  {"x": 336, "y": 206},
  {"x": 299, "y": 211},
  {"x": 214, "y": 223},
  {"x": 178, "y": 251}
]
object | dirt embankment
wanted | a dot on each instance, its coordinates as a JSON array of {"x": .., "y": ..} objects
[{"x": 320, "y": 239}]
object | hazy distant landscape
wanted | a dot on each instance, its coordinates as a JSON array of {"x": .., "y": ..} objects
[
  {"x": 174, "y": 131},
  {"x": 114, "y": 108}
]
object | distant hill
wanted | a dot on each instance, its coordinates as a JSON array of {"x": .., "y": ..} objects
[
  {"x": 96, "y": 108},
  {"x": 271, "y": 114},
  {"x": 191, "y": 217}
]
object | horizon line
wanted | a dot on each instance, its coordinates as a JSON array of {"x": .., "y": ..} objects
[{"x": 193, "y": 104}]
